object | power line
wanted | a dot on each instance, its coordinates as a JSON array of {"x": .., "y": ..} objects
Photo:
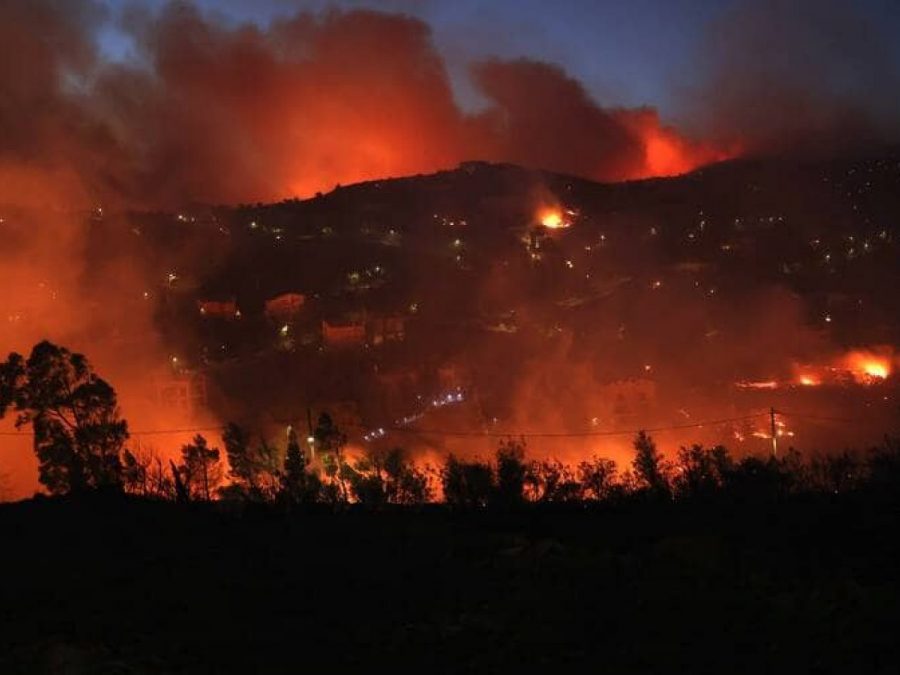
[
  {"x": 571, "y": 434},
  {"x": 155, "y": 432},
  {"x": 472, "y": 434},
  {"x": 508, "y": 434},
  {"x": 825, "y": 418},
  {"x": 152, "y": 432}
]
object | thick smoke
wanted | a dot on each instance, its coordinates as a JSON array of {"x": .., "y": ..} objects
[
  {"x": 207, "y": 111},
  {"x": 215, "y": 112},
  {"x": 788, "y": 76}
]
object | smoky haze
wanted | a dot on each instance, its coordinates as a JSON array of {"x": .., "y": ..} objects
[{"x": 785, "y": 77}]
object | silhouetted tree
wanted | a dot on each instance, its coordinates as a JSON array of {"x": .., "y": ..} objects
[
  {"x": 78, "y": 434},
  {"x": 701, "y": 472},
  {"x": 388, "y": 477},
  {"x": 160, "y": 485},
  {"x": 511, "y": 473},
  {"x": 597, "y": 478},
  {"x": 253, "y": 469},
  {"x": 467, "y": 484},
  {"x": 200, "y": 469},
  {"x": 650, "y": 469},
  {"x": 143, "y": 474},
  {"x": 883, "y": 467},
  {"x": 837, "y": 473},
  {"x": 241, "y": 467},
  {"x": 298, "y": 484},
  {"x": 366, "y": 479},
  {"x": 404, "y": 482},
  {"x": 135, "y": 472},
  {"x": 182, "y": 495},
  {"x": 754, "y": 479},
  {"x": 550, "y": 480},
  {"x": 328, "y": 437},
  {"x": 330, "y": 441}
]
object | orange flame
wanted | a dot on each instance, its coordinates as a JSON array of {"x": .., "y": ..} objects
[
  {"x": 867, "y": 367},
  {"x": 669, "y": 153},
  {"x": 553, "y": 219}
]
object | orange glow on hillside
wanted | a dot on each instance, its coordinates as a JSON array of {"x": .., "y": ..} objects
[
  {"x": 868, "y": 367},
  {"x": 669, "y": 153}
]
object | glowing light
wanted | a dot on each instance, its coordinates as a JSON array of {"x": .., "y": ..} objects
[
  {"x": 553, "y": 219},
  {"x": 876, "y": 370}
]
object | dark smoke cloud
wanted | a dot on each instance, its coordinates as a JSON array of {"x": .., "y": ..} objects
[
  {"x": 787, "y": 76},
  {"x": 538, "y": 112},
  {"x": 212, "y": 111}
]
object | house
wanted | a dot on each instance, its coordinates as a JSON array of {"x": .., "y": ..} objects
[
  {"x": 185, "y": 393},
  {"x": 219, "y": 309},
  {"x": 348, "y": 334},
  {"x": 285, "y": 307},
  {"x": 387, "y": 329},
  {"x": 628, "y": 400}
]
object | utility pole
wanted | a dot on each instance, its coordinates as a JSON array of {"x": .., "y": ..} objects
[
  {"x": 310, "y": 439},
  {"x": 774, "y": 432}
]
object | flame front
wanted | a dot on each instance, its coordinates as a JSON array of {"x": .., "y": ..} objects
[
  {"x": 553, "y": 219},
  {"x": 868, "y": 367}
]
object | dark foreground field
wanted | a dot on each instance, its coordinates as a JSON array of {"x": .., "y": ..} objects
[{"x": 140, "y": 587}]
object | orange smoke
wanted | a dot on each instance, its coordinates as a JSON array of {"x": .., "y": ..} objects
[
  {"x": 223, "y": 113},
  {"x": 668, "y": 153}
]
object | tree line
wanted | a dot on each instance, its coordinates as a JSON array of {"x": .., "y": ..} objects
[{"x": 80, "y": 441}]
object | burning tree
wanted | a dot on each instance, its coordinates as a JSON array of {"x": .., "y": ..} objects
[
  {"x": 253, "y": 468},
  {"x": 649, "y": 466},
  {"x": 388, "y": 477},
  {"x": 298, "y": 484},
  {"x": 330, "y": 441},
  {"x": 78, "y": 434},
  {"x": 512, "y": 473}
]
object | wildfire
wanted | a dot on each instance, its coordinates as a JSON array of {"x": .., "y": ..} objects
[
  {"x": 862, "y": 366},
  {"x": 867, "y": 367},
  {"x": 553, "y": 219},
  {"x": 809, "y": 381},
  {"x": 669, "y": 153}
]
